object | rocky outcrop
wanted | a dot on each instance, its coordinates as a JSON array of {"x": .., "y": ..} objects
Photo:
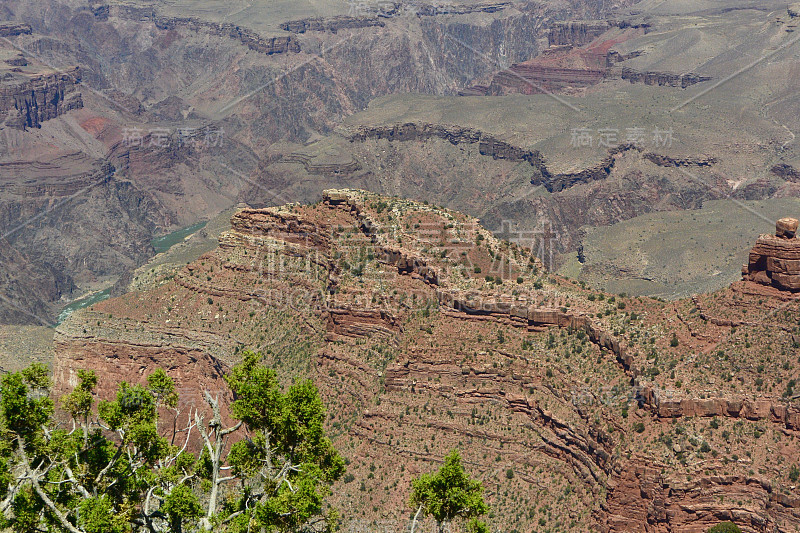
[
  {"x": 488, "y": 144},
  {"x": 794, "y": 10},
  {"x": 603, "y": 169},
  {"x": 577, "y": 33},
  {"x": 26, "y": 102},
  {"x": 775, "y": 259},
  {"x": 328, "y": 169},
  {"x": 472, "y": 305},
  {"x": 613, "y": 57},
  {"x": 394, "y": 375},
  {"x": 331, "y": 25},
  {"x": 94, "y": 342},
  {"x": 345, "y": 322},
  {"x": 580, "y": 56},
  {"x": 12, "y": 29},
  {"x": 669, "y": 405},
  {"x": 663, "y": 79},
  {"x": 469, "y": 304},
  {"x": 249, "y": 38},
  {"x": 641, "y": 497},
  {"x": 420, "y": 9},
  {"x": 786, "y": 172},
  {"x": 538, "y": 79},
  {"x": 666, "y": 161}
]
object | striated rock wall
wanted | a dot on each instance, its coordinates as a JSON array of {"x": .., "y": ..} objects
[
  {"x": 603, "y": 169},
  {"x": 331, "y": 25},
  {"x": 466, "y": 304},
  {"x": 517, "y": 313},
  {"x": 328, "y": 170},
  {"x": 489, "y": 145},
  {"x": 94, "y": 342},
  {"x": 775, "y": 259},
  {"x": 581, "y": 32},
  {"x": 26, "y": 103},
  {"x": 192, "y": 368},
  {"x": 577, "y": 33},
  {"x": 12, "y": 29},
  {"x": 666, "y": 405},
  {"x": 265, "y": 45},
  {"x": 663, "y": 79},
  {"x": 536, "y": 79},
  {"x": 613, "y": 57},
  {"x": 627, "y": 491},
  {"x": 642, "y": 498}
]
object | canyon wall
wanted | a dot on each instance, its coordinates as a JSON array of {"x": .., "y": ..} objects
[
  {"x": 489, "y": 145},
  {"x": 249, "y": 38},
  {"x": 537, "y": 79},
  {"x": 274, "y": 252},
  {"x": 576, "y": 33},
  {"x": 12, "y": 29},
  {"x": 27, "y": 102},
  {"x": 663, "y": 79}
]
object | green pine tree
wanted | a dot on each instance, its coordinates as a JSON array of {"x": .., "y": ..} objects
[{"x": 448, "y": 495}]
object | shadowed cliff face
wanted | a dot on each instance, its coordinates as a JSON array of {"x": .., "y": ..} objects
[
  {"x": 100, "y": 227},
  {"x": 28, "y": 101}
]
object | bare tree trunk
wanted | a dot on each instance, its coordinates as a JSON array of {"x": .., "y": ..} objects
[
  {"x": 416, "y": 515},
  {"x": 215, "y": 450}
]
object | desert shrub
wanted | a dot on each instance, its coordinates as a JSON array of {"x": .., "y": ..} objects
[{"x": 725, "y": 527}]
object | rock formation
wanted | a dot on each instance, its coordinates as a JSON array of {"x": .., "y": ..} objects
[
  {"x": 664, "y": 79},
  {"x": 12, "y": 29},
  {"x": 249, "y": 38},
  {"x": 489, "y": 145},
  {"x": 27, "y": 101},
  {"x": 577, "y": 33},
  {"x": 409, "y": 339},
  {"x": 526, "y": 78},
  {"x": 332, "y": 25},
  {"x": 581, "y": 55},
  {"x": 775, "y": 259}
]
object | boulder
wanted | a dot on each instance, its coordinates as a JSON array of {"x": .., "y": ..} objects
[{"x": 786, "y": 228}]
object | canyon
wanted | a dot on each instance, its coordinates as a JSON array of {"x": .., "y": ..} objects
[
  {"x": 282, "y": 92},
  {"x": 447, "y": 217},
  {"x": 424, "y": 332}
]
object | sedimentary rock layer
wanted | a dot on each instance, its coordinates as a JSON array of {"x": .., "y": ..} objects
[
  {"x": 775, "y": 259},
  {"x": 26, "y": 102},
  {"x": 663, "y": 79},
  {"x": 265, "y": 45}
]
